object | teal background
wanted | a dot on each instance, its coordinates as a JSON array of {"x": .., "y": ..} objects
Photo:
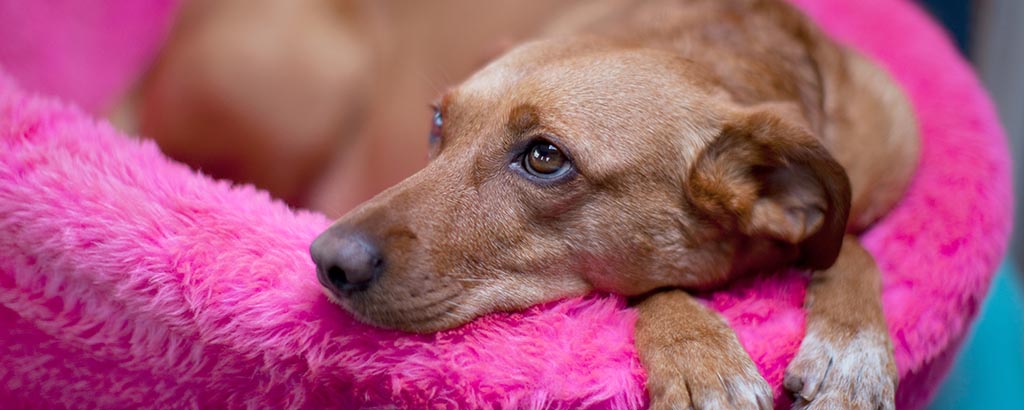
[{"x": 989, "y": 371}]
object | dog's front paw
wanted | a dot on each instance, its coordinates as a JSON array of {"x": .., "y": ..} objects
[
  {"x": 835, "y": 372},
  {"x": 728, "y": 381}
]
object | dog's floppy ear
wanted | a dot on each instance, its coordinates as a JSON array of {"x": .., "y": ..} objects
[{"x": 769, "y": 178}]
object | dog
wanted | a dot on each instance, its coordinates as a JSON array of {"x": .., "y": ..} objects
[{"x": 650, "y": 148}]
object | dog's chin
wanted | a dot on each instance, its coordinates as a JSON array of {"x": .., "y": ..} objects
[{"x": 435, "y": 316}]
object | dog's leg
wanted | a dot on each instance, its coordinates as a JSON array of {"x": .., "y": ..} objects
[
  {"x": 846, "y": 359},
  {"x": 693, "y": 359}
]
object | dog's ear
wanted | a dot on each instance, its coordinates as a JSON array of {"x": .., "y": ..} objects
[{"x": 769, "y": 178}]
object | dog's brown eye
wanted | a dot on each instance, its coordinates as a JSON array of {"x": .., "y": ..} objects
[{"x": 545, "y": 160}]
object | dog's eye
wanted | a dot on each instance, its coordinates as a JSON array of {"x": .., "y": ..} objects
[
  {"x": 543, "y": 159},
  {"x": 435, "y": 126}
]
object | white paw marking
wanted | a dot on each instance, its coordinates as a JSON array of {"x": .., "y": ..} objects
[{"x": 858, "y": 373}]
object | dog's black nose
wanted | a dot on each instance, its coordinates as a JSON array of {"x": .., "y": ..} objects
[{"x": 346, "y": 261}]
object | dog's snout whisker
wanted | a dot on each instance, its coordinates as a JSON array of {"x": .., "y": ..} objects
[{"x": 475, "y": 280}]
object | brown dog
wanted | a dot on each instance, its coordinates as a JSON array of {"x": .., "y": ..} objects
[{"x": 648, "y": 148}]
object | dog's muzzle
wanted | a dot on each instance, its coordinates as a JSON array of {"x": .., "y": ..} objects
[{"x": 347, "y": 261}]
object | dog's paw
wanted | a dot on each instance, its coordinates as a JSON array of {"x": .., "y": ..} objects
[
  {"x": 856, "y": 372},
  {"x": 730, "y": 383}
]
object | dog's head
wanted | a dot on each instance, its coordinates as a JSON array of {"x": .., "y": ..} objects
[{"x": 567, "y": 167}]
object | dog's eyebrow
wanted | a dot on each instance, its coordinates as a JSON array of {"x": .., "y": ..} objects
[{"x": 522, "y": 119}]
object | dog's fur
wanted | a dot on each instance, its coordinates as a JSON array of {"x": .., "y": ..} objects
[{"x": 709, "y": 139}]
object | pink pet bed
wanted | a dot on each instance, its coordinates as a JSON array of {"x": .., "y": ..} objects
[{"x": 128, "y": 281}]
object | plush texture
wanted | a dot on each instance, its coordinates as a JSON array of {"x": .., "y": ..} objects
[{"x": 127, "y": 280}]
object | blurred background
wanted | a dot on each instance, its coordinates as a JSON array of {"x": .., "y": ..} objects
[{"x": 989, "y": 372}]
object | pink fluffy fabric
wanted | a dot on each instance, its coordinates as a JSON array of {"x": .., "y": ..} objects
[{"x": 127, "y": 280}]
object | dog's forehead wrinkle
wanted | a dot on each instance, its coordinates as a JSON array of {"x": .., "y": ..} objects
[
  {"x": 614, "y": 119},
  {"x": 597, "y": 106}
]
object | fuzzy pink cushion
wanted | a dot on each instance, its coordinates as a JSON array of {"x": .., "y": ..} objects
[{"x": 127, "y": 280}]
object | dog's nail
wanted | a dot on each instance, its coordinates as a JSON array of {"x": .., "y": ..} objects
[{"x": 793, "y": 383}]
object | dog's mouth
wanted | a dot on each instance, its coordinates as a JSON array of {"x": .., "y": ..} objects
[{"x": 431, "y": 312}]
